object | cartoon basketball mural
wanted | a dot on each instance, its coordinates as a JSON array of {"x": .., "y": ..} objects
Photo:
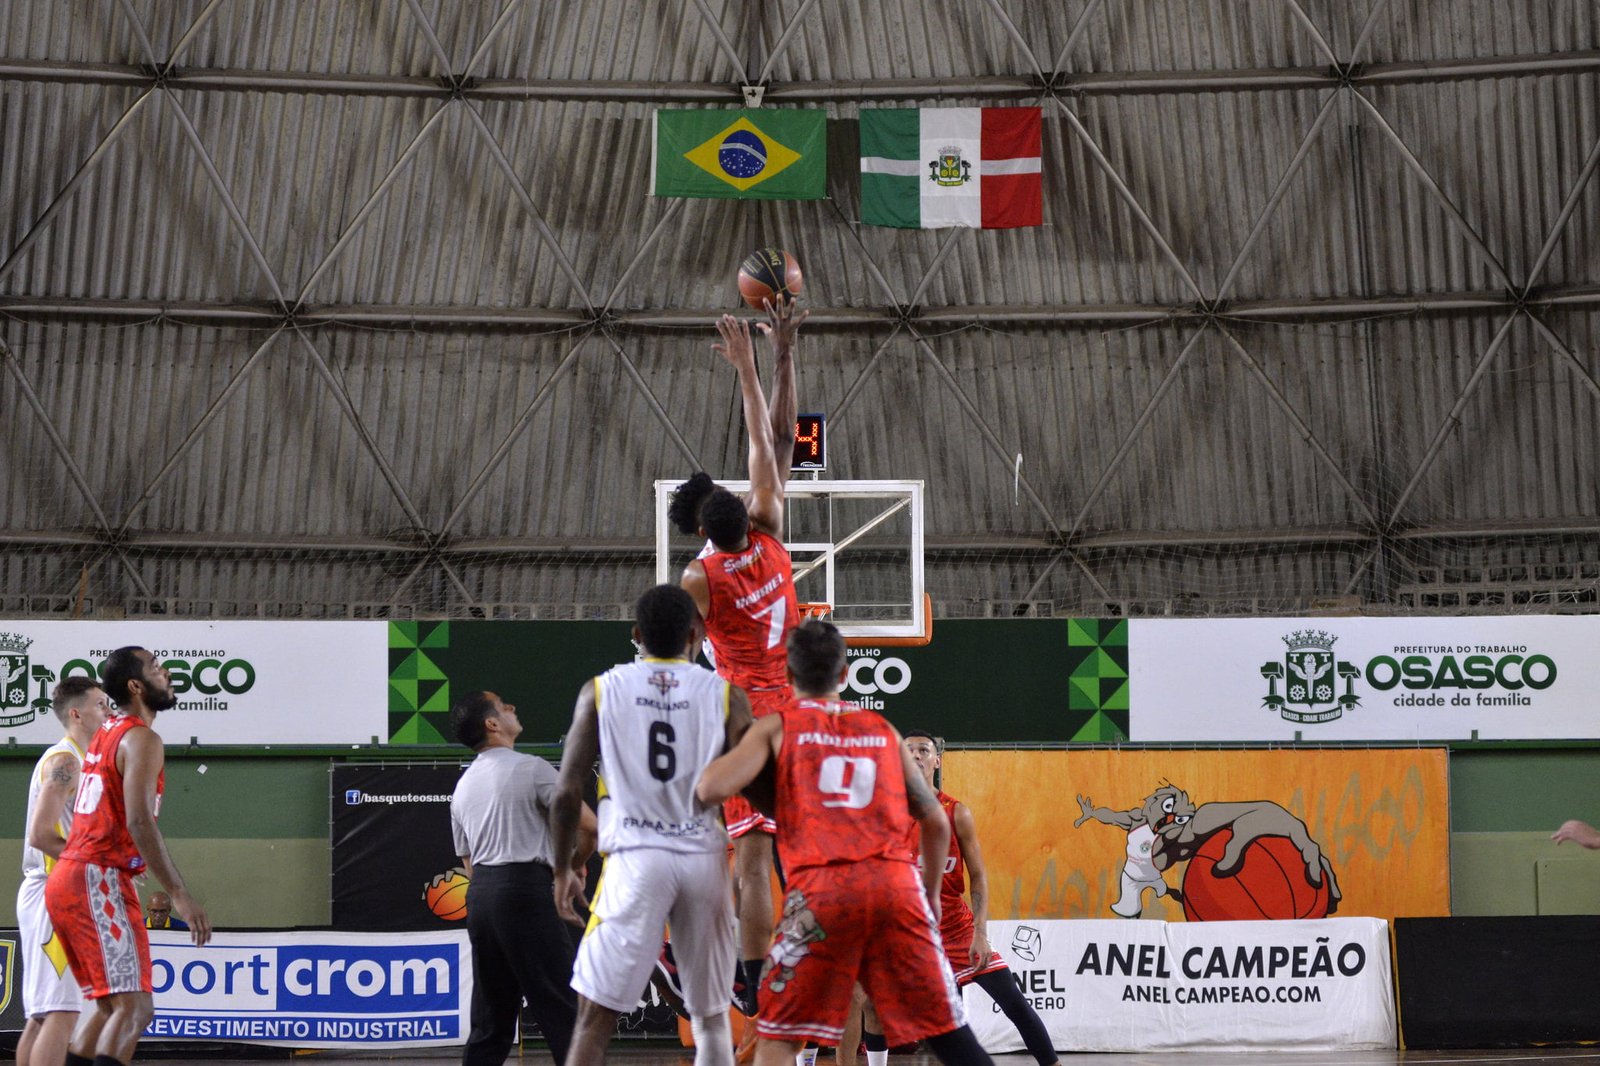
[{"x": 1249, "y": 860}]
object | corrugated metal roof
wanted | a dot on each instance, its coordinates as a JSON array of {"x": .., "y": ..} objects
[{"x": 522, "y": 453}]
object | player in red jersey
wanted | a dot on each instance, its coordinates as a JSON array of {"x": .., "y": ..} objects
[
  {"x": 965, "y": 930},
  {"x": 744, "y": 587},
  {"x": 856, "y": 909},
  {"x": 90, "y": 895}
]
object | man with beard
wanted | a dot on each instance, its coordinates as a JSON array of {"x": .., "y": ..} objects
[{"x": 90, "y": 894}]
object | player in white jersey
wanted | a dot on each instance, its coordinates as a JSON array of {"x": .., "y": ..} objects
[
  {"x": 50, "y": 997},
  {"x": 654, "y": 724}
]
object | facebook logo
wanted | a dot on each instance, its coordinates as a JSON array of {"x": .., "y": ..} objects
[{"x": 352, "y": 797}]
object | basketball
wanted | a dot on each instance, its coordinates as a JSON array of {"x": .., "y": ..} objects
[
  {"x": 769, "y": 274},
  {"x": 446, "y": 895},
  {"x": 1271, "y": 883}
]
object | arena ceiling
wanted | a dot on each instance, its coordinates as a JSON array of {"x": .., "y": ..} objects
[{"x": 315, "y": 309}]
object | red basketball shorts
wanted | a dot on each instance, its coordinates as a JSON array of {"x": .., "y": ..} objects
[
  {"x": 958, "y": 950},
  {"x": 864, "y": 922},
  {"x": 737, "y": 813},
  {"x": 96, "y": 913}
]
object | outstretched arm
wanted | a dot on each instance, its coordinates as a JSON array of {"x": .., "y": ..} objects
[
  {"x": 1125, "y": 820},
  {"x": 765, "y": 502},
  {"x": 783, "y": 330},
  {"x": 568, "y": 843},
  {"x": 1578, "y": 832},
  {"x": 729, "y": 773}
]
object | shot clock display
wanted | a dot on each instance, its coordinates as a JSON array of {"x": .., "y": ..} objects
[{"x": 810, "y": 443}]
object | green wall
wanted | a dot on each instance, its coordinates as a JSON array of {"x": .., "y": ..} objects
[{"x": 251, "y": 834}]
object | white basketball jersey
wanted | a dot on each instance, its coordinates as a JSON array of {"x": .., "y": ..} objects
[
  {"x": 36, "y": 863},
  {"x": 661, "y": 721}
]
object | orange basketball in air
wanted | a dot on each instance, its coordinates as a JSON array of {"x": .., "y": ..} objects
[
  {"x": 446, "y": 895},
  {"x": 1271, "y": 883},
  {"x": 769, "y": 274}
]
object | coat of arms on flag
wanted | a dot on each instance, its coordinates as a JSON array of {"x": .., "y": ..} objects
[{"x": 951, "y": 166}]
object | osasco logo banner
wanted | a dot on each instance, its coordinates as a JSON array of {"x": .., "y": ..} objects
[
  {"x": 313, "y": 990},
  {"x": 1111, "y": 985},
  {"x": 235, "y": 682},
  {"x": 1493, "y": 678}
]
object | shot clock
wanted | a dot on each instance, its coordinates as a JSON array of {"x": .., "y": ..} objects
[{"x": 810, "y": 443}]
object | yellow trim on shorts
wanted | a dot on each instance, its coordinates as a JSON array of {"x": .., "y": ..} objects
[{"x": 594, "y": 904}]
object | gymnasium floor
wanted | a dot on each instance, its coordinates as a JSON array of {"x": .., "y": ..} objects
[{"x": 662, "y": 1055}]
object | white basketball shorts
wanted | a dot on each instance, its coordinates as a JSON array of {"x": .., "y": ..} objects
[
  {"x": 47, "y": 983},
  {"x": 643, "y": 890}
]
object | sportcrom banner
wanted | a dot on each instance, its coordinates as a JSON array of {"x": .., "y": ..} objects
[
  {"x": 236, "y": 682},
  {"x": 1489, "y": 678},
  {"x": 313, "y": 989},
  {"x": 1230, "y": 986},
  {"x": 394, "y": 862}
]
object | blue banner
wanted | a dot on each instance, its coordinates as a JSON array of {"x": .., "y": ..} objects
[{"x": 313, "y": 989}]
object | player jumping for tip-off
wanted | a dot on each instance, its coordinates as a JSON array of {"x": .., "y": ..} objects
[{"x": 743, "y": 585}]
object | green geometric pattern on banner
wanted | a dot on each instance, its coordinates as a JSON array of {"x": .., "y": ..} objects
[
  {"x": 419, "y": 691},
  {"x": 1097, "y": 678},
  {"x": 1098, "y": 728}
]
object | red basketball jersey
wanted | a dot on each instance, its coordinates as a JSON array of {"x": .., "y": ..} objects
[
  {"x": 100, "y": 817},
  {"x": 841, "y": 787},
  {"x": 753, "y": 608},
  {"x": 954, "y": 912}
]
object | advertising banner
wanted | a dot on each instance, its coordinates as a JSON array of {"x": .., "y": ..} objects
[
  {"x": 991, "y": 680},
  {"x": 313, "y": 990},
  {"x": 1329, "y": 679},
  {"x": 11, "y": 1018},
  {"x": 236, "y": 682},
  {"x": 394, "y": 862},
  {"x": 1142, "y": 833},
  {"x": 1226, "y": 986}
]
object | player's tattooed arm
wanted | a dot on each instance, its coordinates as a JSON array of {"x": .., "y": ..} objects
[
  {"x": 569, "y": 815},
  {"x": 56, "y": 792},
  {"x": 1125, "y": 820}
]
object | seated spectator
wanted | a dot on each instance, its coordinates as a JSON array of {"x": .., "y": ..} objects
[{"x": 158, "y": 913}]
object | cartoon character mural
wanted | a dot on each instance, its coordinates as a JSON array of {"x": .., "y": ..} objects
[{"x": 1247, "y": 860}]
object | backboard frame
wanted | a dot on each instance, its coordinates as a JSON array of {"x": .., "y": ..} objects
[{"x": 917, "y": 626}]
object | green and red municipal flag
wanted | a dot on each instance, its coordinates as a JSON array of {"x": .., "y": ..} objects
[
  {"x": 764, "y": 154},
  {"x": 950, "y": 166}
]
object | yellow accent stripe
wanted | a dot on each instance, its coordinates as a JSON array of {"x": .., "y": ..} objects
[
  {"x": 600, "y": 780},
  {"x": 594, "y": 904}
]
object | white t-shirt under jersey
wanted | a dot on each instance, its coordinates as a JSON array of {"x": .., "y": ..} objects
[
  {"x": 660, "y": 722},
  {"x": 34, "y": 862}
]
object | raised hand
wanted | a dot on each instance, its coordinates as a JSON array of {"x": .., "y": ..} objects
[
  {"x": 1086, "y": 805},
  {"x": 784, "y": 322},
  {"x": 736, "y": 346}
]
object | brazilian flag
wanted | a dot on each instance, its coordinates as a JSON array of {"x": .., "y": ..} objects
[{"x": 742, "y": 155}]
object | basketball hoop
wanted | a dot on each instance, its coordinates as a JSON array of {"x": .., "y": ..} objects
[{"x": 819, "y": 611}]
